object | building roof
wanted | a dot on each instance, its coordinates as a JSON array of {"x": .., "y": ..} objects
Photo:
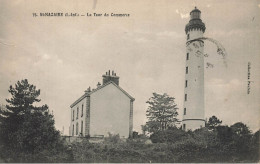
[{"x": 98, "y": 88}]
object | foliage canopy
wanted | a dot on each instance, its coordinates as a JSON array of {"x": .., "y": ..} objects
[
  {"x": 26, "y": 128},
  {"x": 161, "y": 112}
]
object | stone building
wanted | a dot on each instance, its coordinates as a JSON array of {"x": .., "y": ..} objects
[
  {"x": 105, "y": 109},
  {"x": 193, "y": 115}
]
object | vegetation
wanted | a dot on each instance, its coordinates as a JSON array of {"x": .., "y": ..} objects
[
  {"x": 27, "y": 131},
  {"x": 28, "y": 135},
  {"x": 173, "y": 145},
  {"x": 161, "y": 113},
  {"x": 213, "y": 122}
]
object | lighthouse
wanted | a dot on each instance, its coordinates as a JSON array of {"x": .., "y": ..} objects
[{"x": 193, "y": 112}]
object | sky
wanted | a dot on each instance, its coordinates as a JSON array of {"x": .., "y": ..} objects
[{"x": 63, "y": 56}]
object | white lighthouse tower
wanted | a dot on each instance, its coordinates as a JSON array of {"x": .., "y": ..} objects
[{"x": 193, "y": 115}]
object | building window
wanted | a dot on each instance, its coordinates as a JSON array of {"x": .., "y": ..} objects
[
  {"x": 73, "y": 115},
  {"x": 187, "y": 70},
  {"x": 81, "y": 131},
  {"x": 82, "y": 110},
  {"x": 185, "y": 98},
  {"x": 72, "y": 130},
  {"x": 184, "y": 127},
  {"x": 186, "y": 83},
  {"x": 77, "y": 112},
  {"x": 77, "y": 128},
  {"x": 187, "y": 57},
  {"x": 184, "y": 113},
  {"x": 188, "y": 36}
]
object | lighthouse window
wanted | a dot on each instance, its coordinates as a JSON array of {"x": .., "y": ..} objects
[
  {"x": 186, "y": 83},
  {"x": 186, "y": 70},
  {"x": 187, "y": 57},
  {"x": 184, "y": 126},
  {"x": 73, "y": 115},
  {"x": 185, "y": 98},
  {"x": 184, "y": 113}
]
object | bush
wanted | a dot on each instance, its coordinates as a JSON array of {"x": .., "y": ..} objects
[
  {"x": 113, "y": 138},
  {"x": 168, "y": 136}
]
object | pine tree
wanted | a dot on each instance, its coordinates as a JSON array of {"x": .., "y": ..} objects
[{"x": 26, "y": 128}]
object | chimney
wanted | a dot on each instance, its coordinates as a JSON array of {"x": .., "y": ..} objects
[
  {"x": 98, "y": 84},
  {"x": 88, "y": 90},
  {"x": 107, "y": 78}
]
